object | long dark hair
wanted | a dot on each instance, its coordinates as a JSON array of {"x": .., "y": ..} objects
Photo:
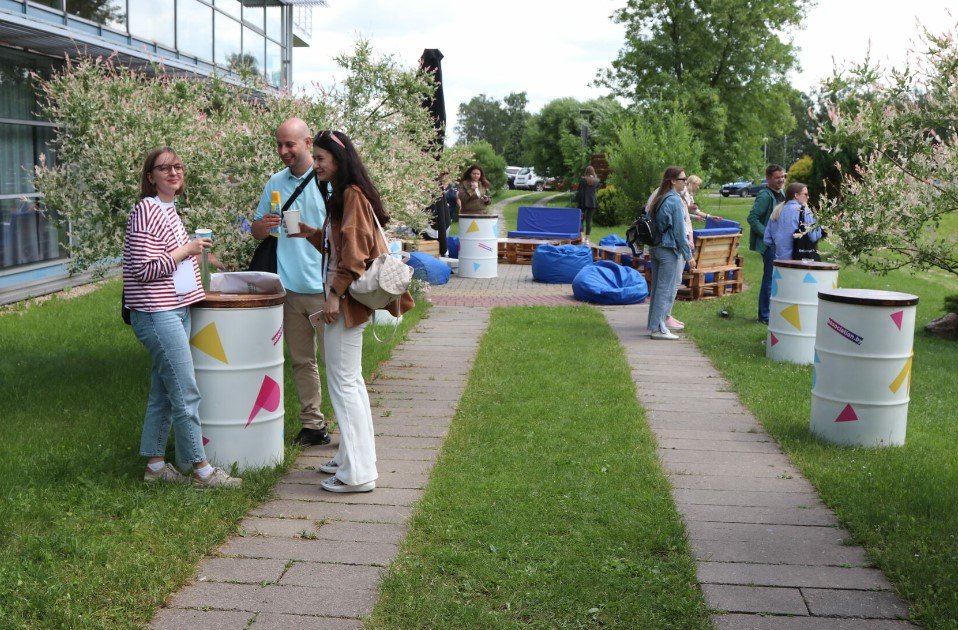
[
  {"x": 664, "y": 188},
  {"x": 350, "y": 171},
  {"x": 482, "y": 176}
]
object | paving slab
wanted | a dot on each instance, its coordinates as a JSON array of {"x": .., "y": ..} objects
[
  {"x": 769, "y": 553},
  {"x": 313, "y": 559}
]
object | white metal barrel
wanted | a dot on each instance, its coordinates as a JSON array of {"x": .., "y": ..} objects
[
  {"x": 861, "y": 375},
  {"x": 237, "y": 346},
  {"x": 794, "y": 308},
  {"x": 478, "y": 245}
]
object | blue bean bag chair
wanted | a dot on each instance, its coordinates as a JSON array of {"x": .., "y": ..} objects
[
  {"x": 604, "y": 282},
  {"x": 559, "y": 264},
  {"x": 429, "y": 268},
  {"x": 612, "y": 240},
  {"x": 452, "y": 244}
]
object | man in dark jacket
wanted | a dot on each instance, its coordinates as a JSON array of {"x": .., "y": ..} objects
[{"x": 765, "y": 202}]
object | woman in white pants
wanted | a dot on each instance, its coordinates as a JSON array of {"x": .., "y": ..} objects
[{"x": 350, "y": 240}]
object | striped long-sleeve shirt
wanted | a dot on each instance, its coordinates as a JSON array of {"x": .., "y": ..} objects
[{"x": 153, "y": 231}]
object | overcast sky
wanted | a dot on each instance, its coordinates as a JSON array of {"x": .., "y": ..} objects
[{"x": 552, "y": 49}]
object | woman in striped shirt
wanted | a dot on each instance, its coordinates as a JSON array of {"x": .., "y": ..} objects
[{"x": 161, "y": 280}]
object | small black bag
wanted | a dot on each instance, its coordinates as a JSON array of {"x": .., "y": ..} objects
[
  {"x": 124, "y": 311},
  {"x": 803, "y": 248},
  {"x": 643, "y": 231},
  {"x": 264, "y": 256}
]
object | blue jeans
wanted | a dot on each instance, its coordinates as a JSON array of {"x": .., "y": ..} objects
[
  {"x": 174, "y": 397},
  {"x": 665, "y": 263},
  {"x": 765, "y": 292}
]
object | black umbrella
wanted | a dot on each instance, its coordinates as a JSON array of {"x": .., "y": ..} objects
[{"x": 431, "y": 61}]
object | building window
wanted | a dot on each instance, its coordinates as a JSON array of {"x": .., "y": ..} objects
[
  {"x": 231, "y": 7},
  {"x": 274, "y": 63},
  {"x": 228, "y": 41},
  {"x": 110, "y": 13},
  {"x": 153, "y": 21},
  {"x": 254, "y": 50},
  {"x": 274, "y": 23},
  {"x": 254, "y": 16},
  {"x": 194, "y": 29}
]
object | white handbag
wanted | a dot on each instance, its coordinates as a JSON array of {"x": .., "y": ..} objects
[{"x": 385, "y": 279}]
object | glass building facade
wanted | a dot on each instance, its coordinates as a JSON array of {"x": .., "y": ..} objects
[{"x": 204, "y": 37}]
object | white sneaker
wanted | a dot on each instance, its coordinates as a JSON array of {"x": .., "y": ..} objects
[
  {"x": 218, "y": 479},
  {"x": 333, "y": 484},
  {"x": 663, "y": 335},
  {"x": 167, "y": 474},
  {"x": 673, "y": 324},
  {"x": 329, "y": 467}
]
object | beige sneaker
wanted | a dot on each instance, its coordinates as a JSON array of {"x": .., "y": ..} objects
[
  {"x": 219, "y": 479},
  {"x": 167, "y": 474}
]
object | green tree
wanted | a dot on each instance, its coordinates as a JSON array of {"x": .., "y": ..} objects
[
  {"x": 725, "y": 61},
  {"x": 484, "y": 119},
  {"x": 644, "y": 146},
  {"x": 896, "y": 207}
]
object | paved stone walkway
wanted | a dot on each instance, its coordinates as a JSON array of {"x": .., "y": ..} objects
[{"x": 770, "y": 555}]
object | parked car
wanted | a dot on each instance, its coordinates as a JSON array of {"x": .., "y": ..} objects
[
  {"x": 739, "y": 188},
  {"x": 511, "y": 172},
  {"x": 756, "y": 187},
  {"x": 526, "y": 179}
]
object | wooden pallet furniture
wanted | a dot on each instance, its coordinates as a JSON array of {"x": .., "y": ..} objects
[
  {"x": 519, "y": 251},
  {"x": 622, "y": 255},
  {"x": 718, "y": 268}
]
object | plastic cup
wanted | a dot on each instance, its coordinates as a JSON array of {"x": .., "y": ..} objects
[
  {"x": 291, "y": 218},
  {"x": 204, "y": 258}
]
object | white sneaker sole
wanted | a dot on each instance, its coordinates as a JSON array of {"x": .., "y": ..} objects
[
  {"x": 363, "y": 487},
  {"x": 329, "y": 470}
]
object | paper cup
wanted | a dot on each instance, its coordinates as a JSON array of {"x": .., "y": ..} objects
[
  {"x": 204, "y": 233},
  {"x": 291, "y": 217}
]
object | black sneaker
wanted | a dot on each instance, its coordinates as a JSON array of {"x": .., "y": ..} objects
[{"x": 312, "y": 437}]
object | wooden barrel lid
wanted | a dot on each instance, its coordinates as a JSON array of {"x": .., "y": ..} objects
[
  {"x": 868, "y": 297},
  {"x": 812, "y": 265},
  {"x": 478, "y": 216},
  {"x": 241, "y": 300}
]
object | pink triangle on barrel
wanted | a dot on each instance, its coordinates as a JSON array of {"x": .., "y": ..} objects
[
  {"x": 847, "y": 415},
  {"x": 206, "y": 440},
  {"x": 268, "y": 398},
  {"x": 897, "y": 317},
  {"x": 773, "y": 338}
]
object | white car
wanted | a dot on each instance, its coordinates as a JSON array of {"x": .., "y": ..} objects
[
  {"x": 527, "y": 179},
  {"x": 511, "y": 172}
]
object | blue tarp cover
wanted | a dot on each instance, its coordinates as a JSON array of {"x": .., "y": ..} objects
[
  {"x": 534, "y": 222},
  {"x": 604, "y": 282},
  {"x": 452, "y": 243},
  {"x": 722, "y": 223},
  {"x": 721, "y": 231},
  {"x": 559, "y": 264},
  {"x": 612, "y": 240},
  {"x": 429, "y": 268}
]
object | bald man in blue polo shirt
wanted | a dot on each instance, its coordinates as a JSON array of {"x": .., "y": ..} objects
[{"x": 299, "y": 265}]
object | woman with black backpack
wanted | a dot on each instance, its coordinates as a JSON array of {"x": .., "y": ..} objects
[{"x": 667, "y": 211}]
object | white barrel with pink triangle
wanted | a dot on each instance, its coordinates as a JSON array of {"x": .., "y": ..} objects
[
  {"x": 478, "y": 246},
  {"x": 861, "y": 376},
  {"x": 794, "y": 308},
  {"x": 237, "y": 347}
]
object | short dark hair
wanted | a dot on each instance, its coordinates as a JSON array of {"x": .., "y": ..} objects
[
  {"x": 148, "y": 188},
  {"x": 771, "y": 169}
]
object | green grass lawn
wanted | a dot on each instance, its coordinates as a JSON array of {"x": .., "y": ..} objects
[
  {"x": 84, "y": 543},
  {"x": 547, "y": 508}
]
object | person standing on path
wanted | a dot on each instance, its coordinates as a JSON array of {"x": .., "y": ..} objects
[
  {"x": 299, "y": 266},
  {"x": 587, "y": 201},
  {"x": 351, "y": 239},
  {"x": 473, "y": 191},
  {"x": 668, "y": 212},
  {"x": 765, "y": 202},
  {"x": 161, "y": 279}
]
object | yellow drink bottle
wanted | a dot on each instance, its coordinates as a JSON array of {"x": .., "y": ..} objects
[{"x": 274, "y": 203}]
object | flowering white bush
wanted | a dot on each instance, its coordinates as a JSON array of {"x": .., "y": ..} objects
[
  {"x": 110, "y": 116},
  {"x": 890, "y": 208}
]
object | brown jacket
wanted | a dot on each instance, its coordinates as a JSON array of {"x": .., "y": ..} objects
[
  {"x": 473, "y": 202},
  {"x": 357, "y": 244}
]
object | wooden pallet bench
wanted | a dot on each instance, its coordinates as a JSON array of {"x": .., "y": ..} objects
[
  {"x": 718, "y": 268},
  {"x": 519, "y": 251}
]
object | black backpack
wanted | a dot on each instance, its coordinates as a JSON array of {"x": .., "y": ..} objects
[{"x": 644, "y": 231}]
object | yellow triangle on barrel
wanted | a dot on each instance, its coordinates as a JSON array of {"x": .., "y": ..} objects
[
  {"x": 473, "y": 227},
  {"x": 791, "y": 315},
  {"x": 208, "y": 341},
  {"x": 904, "y": 375}
]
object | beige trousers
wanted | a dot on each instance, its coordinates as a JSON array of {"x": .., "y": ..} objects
[{"x": 301, "y": 339}]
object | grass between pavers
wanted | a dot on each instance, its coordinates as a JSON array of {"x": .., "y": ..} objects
[
  {"x": 547, "y": 507},
  {"x": 84, "y": 543},
  {"x": 900, "y": 503}
]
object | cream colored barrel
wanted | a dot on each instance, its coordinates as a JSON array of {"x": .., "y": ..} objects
[
  {"x": 237, "y": 346},
  {"x": 794, "y": 308},
  {"x": 478, "y": 245},
  {"x": 861, "y": 375}
]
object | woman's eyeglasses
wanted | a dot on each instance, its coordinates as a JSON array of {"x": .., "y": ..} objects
[{"x": 167, "y": 168}]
